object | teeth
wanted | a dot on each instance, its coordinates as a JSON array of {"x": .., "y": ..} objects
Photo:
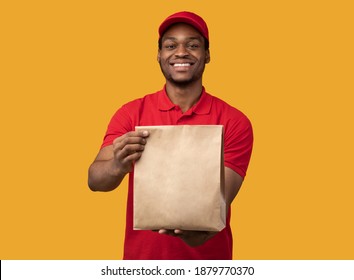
[{"x": 181, "y": 64}]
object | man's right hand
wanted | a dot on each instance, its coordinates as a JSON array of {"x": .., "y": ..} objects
[
  {"x": 127, "y": 149},
  {"x": 113, "y": 162}
]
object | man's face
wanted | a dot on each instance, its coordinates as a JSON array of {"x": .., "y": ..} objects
[{"x": 182, "y": 56}]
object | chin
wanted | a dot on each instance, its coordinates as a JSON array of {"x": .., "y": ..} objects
[{"x": 182, "y": 83}]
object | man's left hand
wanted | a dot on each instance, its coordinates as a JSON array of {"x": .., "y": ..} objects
[{"x": 191, "y": 237}]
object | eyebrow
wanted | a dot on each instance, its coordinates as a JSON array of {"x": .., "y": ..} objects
[{"x": 188, "y": 38}]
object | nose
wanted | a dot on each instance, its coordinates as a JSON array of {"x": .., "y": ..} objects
[{"x": 181, "y": 51}]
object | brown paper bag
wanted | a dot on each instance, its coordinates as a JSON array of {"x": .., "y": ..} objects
[{"x": 179, "y": 180}]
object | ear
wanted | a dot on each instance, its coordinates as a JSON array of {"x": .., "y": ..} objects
[
  {"x": 207, "y": 56},
  {"x": 158, "y": 56}
]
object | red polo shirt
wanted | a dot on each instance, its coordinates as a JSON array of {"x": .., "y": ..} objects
[{"x": 157, "y": 109}]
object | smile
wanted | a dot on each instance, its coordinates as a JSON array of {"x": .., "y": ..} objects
[{"x": 181, "y": 64}]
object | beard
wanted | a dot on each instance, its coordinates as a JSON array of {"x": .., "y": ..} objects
[{"x": 182, "y": 82}]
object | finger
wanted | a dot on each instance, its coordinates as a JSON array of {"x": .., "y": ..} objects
[
  {"x": 162, "y": 231},
  {"x": 121, "y": 143},
  {"x": 178, "y": 231},
  {"x": 132, "y": 134},
  {"x": 167, "y": 232},
  {"x": 131, "y": 158},
  {"x": 130, "y": 149},
  {"x": 121, "y": 154},
  {"x": 139, "y": 133},
  {"x": 143, "y": 133}
]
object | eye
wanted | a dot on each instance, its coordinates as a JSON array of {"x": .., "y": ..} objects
[
  {"x": 193, "y": 46},
  {"x": 169, "y": 46}
]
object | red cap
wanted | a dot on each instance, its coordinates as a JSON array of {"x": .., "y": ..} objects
[{"x": 185, "y": 17}]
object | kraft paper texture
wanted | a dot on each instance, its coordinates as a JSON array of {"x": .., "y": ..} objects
[{"x": 179, "y": 180}]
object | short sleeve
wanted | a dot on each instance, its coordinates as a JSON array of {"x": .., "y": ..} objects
[
  {"x": 120, "y": 124},
  {"x": 238, "y": 143}
]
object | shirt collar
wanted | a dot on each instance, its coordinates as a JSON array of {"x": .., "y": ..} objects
[
  {"x": 164, "y": 102},
  {"x": 202, "y": 107}
]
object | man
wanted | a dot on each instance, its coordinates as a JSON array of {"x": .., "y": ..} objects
[{"x": 182, "y": 55}]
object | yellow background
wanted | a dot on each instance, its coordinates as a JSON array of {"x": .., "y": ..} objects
[{"x": 66, "y": 66}]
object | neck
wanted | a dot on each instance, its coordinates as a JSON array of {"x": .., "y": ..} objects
[{"x": 184, "y": 96}]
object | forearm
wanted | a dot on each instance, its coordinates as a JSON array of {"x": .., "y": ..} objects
[
  {"x": 233, "y": 182},
  {"x": 103, "y": 176}
]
